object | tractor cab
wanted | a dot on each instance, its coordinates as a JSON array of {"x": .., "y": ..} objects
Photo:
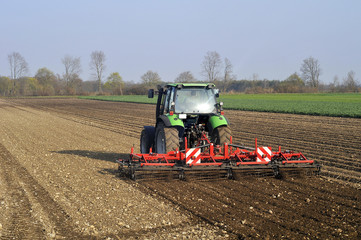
[
  {"x": 192, "y": 100},
  {"x": 187, "y": 99}
]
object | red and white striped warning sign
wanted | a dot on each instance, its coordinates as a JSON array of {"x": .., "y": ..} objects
[
  {"x": 193, "y": 155},
  {"x": 264, "y": 154}
]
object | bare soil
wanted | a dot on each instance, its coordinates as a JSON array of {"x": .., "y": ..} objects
[{"x": 58, "y": 178}]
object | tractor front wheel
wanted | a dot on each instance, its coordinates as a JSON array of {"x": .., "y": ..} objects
[
  {"x": 166, "y": 139},
  {"x": 221, "y": 135}
]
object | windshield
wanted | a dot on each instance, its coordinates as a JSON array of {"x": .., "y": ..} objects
[{"x": 195, "y": 100}]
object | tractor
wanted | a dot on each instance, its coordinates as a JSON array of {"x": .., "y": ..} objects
[
  {"x": 192, "y": 134},
  {"x": 185, "y": 110}
]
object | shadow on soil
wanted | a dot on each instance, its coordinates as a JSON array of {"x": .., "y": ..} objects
[{"x": 104, "y": 156}]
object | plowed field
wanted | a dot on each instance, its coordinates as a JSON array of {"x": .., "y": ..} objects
[{"x": 58, "y": 178}]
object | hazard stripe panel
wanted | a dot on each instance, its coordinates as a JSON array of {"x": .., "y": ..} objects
[
  {"x": 264, "y": 154},
  {"x": 193, "y": 155}
]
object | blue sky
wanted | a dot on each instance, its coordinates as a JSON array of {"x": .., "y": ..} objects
[{"x": 267, "y": 38}]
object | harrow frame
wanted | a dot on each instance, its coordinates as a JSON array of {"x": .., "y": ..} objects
[{"x": 226, "y": 158}]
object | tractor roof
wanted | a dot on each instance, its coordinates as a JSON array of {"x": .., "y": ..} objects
[{"x": 211, "y": 85}]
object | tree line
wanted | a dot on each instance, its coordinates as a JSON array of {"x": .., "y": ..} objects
[{"x": 213, "y": 69}]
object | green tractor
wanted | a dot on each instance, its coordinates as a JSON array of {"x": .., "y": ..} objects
[{"x": 185, "y": 111}]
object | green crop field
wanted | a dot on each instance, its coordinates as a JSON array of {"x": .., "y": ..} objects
[
  {"x": 323, "y": 104},
  {"x": 341, "y": 105}
]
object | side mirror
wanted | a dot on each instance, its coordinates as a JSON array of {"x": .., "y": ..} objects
[
  {"x": 151, "y": 93},
  {"x": 216, "y": 92}
]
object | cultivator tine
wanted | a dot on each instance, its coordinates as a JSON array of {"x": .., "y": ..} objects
[
  {"x": 181, "y": 175},
  {"x": 230, "y": 173},
  {"x": 276, "y": 171},
  {"x": 121, "y": 171},
  {"x": 132, "y": 173}
]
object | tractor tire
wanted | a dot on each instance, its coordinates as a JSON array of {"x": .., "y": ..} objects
[
  {"x": 147, "y": 139},
  {"x": 221, "y": 135},
  {"x": 166, "y": 139}
]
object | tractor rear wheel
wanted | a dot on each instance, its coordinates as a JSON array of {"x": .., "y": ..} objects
[
  {"x": 147, "y": 139},
  {"x": 166, "y": 139},
  {"x": 221, "y": 135}
]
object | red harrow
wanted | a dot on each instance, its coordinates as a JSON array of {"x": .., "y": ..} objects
[{"x": 227, "y": 158}]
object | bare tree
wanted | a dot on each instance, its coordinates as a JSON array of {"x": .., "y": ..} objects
[
  {"x": 151, "y": 78},
  {"x": 185, "y": 77},
  {"x": 97, "y": 64},
  {"x": 72, "y": 68},
  {"x": 255, "y": 77},
  {"x": 227, "y": 74},
  {"x": 350, "y": 82},
  {"x": 18, "y": 65},
  {"x": 211, "y": 66},
  {"x": 336, "y": 82},
  {"x": 335, "y": 85},
  {"x": 311, "y": 71},
  {"x": 228, "y": 70}
]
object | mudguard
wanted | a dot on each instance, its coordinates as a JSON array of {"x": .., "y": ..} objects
[
  {"x": 172, "y": 120},
  {"x": 216, "y": 121}
]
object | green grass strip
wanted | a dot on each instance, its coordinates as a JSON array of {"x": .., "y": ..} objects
[{"x": 123, "y": 98}]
